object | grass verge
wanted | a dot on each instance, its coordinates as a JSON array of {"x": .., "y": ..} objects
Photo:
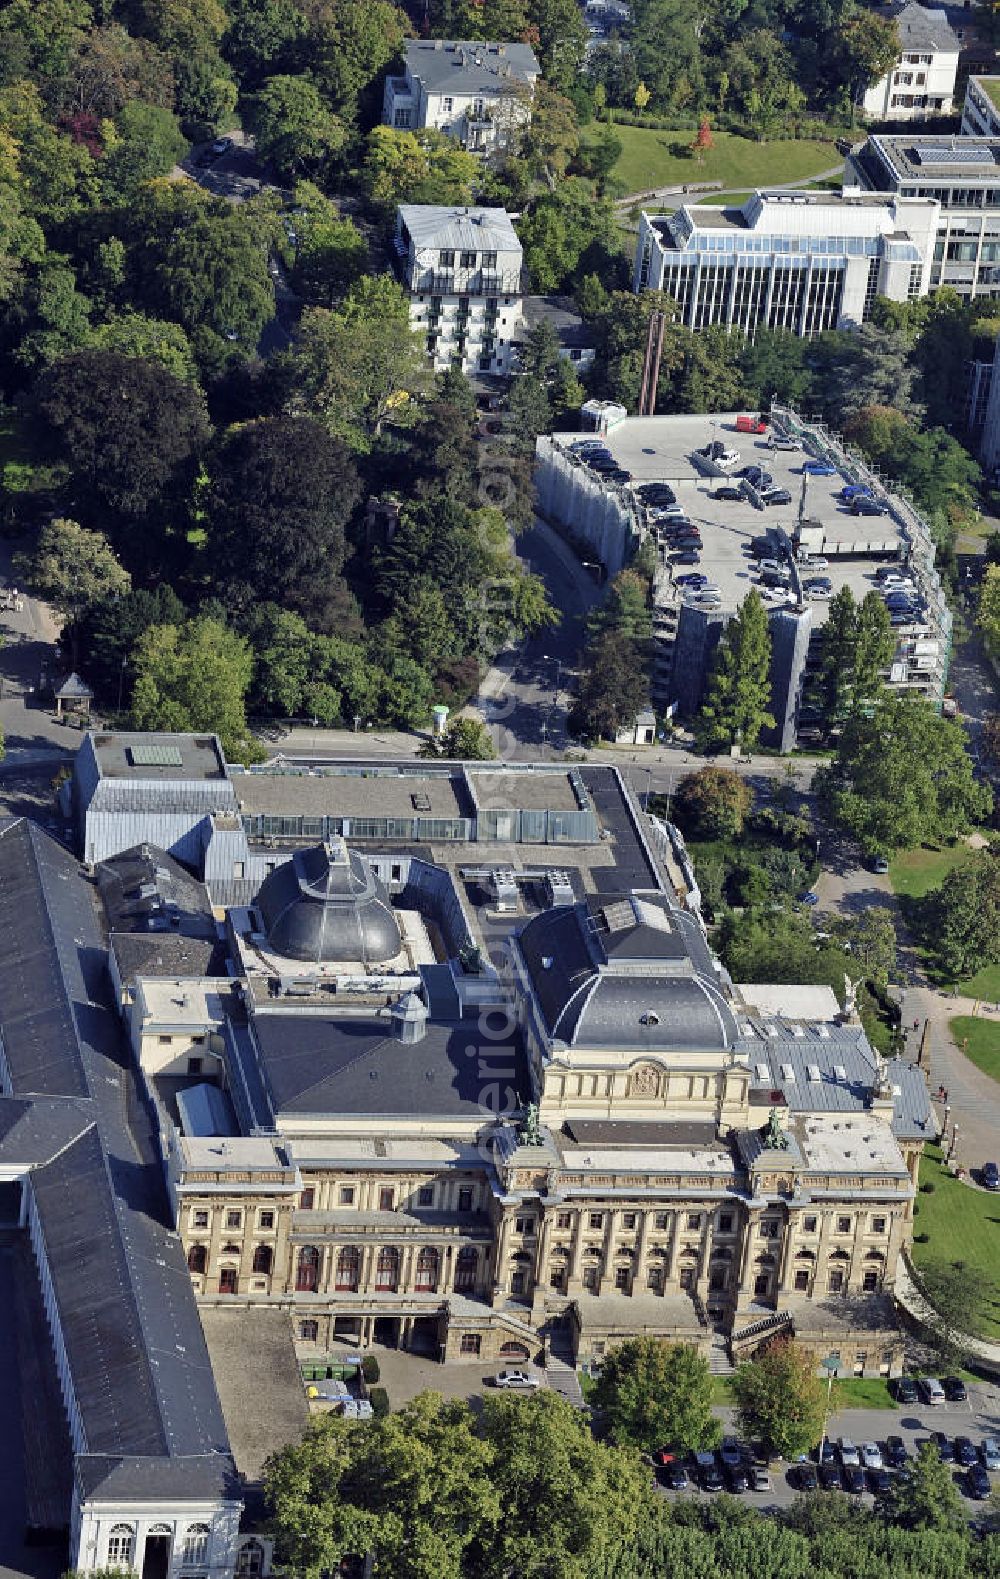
[
  {"x": 653, "y": 158},
  {"x": 979, "y": 1041},
  {"x": 961, "y": 1224}
]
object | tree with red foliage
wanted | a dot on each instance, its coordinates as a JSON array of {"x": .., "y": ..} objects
[{"x": 703, "y": 139}]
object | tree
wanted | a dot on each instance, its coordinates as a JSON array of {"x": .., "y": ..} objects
[
  {"x": 554, "y": 135},
  {"x": 962, "y": 1297},
  {"x": 295, "y": 130},
  {"x": 735, "y": 710},
  {"x": 424, "y": 166},
  {"x": 211, "y": 275},
  {"x": 362, "y": 365},
  {"x": 330, "y": 252},
  {"x": 129, "y": 431},
  {"x": 653, "y": 1392},
  {"x": 703, "y": 139},
  {"x": 902, "y": 776},
  {"x": 351, "y": 45},
  {"x": 194, "y": 678},
  {"x": 713, "y": 803},
  {"x": 873, "y": 943},
  {"x": 107, "y": 634},
  {"x": 73, "y": 569},
  {"x": 465, "y": 740},
  {"x": 567, "y": 232},
  {"x": 874, "y": 650},
  {"x": 868, "y": 47},
  {"x": 614, "y": 688},
  {"x": 926, "y": 1498},
  {"x": 962, "y": 916},
  {"x": 147, "y": 339},
  {"x": 571, "y": 1505},
  {"x": 147, "y": 142},
  {"x": 780, "y": 1400},
  {"x": 988, "y": 616},
  {"x": 562, "y": 40},
  {"x": 280, "y": 495},
  {"x": 838, "y": 644}
]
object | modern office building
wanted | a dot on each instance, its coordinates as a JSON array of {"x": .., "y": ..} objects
[
  {"x": 981, "y": 109},
  {"x": 922, "y": 82},
  {"x": 478, "y": 93},
  {"x": 803, "y": 261},
  {"x": 962, "y": 176},
  {"x": 462, "y": 268},
  {"x": 505, "y": 1108}
]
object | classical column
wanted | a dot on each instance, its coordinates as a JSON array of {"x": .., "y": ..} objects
[
  {"x": 574, "y": 1284},
  {"x": 639, "y": 1263},
  {"x": 540, "y": 1277},
  {"x": 500, "y": 1271},
  {"x": 366, "y": 1273}
]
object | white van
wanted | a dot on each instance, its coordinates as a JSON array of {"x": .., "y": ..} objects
[
  {"x": 779, "y": 441},
  {"x": 931, "y": 1390}
]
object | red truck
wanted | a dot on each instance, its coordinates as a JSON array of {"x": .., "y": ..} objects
[{"x": 751, "y": 425}]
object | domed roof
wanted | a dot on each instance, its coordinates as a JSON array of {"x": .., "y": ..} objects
[{"x": 327, "y": 905}]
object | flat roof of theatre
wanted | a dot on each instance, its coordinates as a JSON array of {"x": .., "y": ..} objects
[
  {"x": 158, "y": 756},
  {"x": 325, "y": 791}
]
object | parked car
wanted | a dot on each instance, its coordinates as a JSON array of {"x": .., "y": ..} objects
[
  {"x": 991, "y": 1176},
  {"x": 944, "y": 1445},
  {"x": 815, "y": 562},
  {"x": 955, "y": 1390},
  {"x": 853, "y": 490},
  {"x": 674, "y": 1476},
  {"x": 731, "y": 1451},
  {"x": 657, "y": 493},
  {"x": 221, "y": 146},
  {"x": 760, "y": 1479},
  {"x": 807, "y": 897},
  {"x": 871, "y": 1455},
  {"x": 966, "y": 1452},
  {"x": 757, "y": 477},
  {"x": 694, "y": 578},
  {"x": 848, "y": 1452},
  {"x": 977, "y": 1483},
  {"x": 881, "y": 865},
  {"x": 685, "y": 557},
  {"x": 830, "y": 1477},
  {"x": 896, "y": 1455},
  {"x": 717, "y": 452},
  {"x": 751, "y": 425},
  {"x": 773, "y": 565},
  {"x": 854, "y": 1479},
  {"x": 817, "y": 468},
  {"x": 737, "y": 1479},
  {"x": 805, "y": 1476},
  {"x": 782, "y": 441},
  {"x": 931, "y": 1390},
  {"x": 989, "y": 1449},
  {"x": 826, "y": 1453},
  {"x": 516, "y": 1378},
  {"x": 904, "y": 1387},
  {"x": 863, "y": 504},
  {"x": 777, "y": 496},
  {"x": 619, "y": 475},
  {"x": 707, "y": 1470},
  {"x": 727, "y": 491},
  {"x": 817, "y": 587},
  {"x": 879, "y": 1482},
  {"x": 775, "y": 578}
]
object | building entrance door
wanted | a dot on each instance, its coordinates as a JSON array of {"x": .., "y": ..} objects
[
  {"x": 156, "y": 1556},
  {"x": 387, "y": 1331}
]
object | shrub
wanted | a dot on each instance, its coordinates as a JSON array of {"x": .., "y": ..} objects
[
  {"x": 379, "y": 1399},
  {"x": 369, "y": 1368},
  {"x": 928, "y": 1188},
  {"x": 921, "y": 1239}
]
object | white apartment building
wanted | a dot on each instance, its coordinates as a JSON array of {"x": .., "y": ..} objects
[
  {"x": 462, "y": 268},
  {"x": 981, "y": 110},
  {"x": 804, "y": 261},
  {"x": 922, "y": 82},
  {"x": 962, "y": 176},
  {"x": 478, "y": 93}
]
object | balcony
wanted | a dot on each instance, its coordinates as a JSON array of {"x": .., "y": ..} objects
[{"x": 466, "y": 282}]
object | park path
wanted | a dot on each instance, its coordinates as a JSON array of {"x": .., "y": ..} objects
[{"x": 710, "y": 189}]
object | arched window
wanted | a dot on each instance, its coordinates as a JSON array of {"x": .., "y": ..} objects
[
  {"x": 465, "y": 1267},
  {"x": 348, "y": 1268},
  {"x": 387, "y": 1269},
  {"x": 263, "y": 1258},
  {"x": 307, "y": 1270},
  {"x": 428, "y": 1269},
  {"x": 250, "y": 1559},
  {"x": 194, "y": 1552},
  {"x": 121, "y": 1545},
  {"x": 198, "y": 1258}
]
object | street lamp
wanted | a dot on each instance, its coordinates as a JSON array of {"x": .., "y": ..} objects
[
  {"x": 121, "y": 681},
  {"x": 831, "y": 1366}
]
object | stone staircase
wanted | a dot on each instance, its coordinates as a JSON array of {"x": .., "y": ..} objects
[
  {"x": 719, "y": 1363},
  {"x": 744, "y": 1342}
]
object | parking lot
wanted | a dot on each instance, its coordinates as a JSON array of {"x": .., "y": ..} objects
[{"x": 977, "y": 1418}]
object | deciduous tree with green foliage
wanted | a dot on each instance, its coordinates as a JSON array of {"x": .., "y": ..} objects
[
  {"x": 73, "y": 569},
  {"x": 194, "y": 678},
  {"x": 464, "y": 740},
  {"x": 736, "y": 705},
  {"x": 902, "y": 776},
  {"x": 424, "y": 166},
  {"x": 926, "y": 1497},
  {"x": 961, "y": 918},
  {"x": 613, "y": 689},
  {"x": 296, "y": 131},
  {"x": 780, "y": 1400},
  {"x": 713, "y": 803},
  {"x": 653, "y": 1393}
]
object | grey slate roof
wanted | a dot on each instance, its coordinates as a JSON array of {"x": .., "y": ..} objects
[
  {"x": 318, "y": 1063},
  {"x": 460, "y": 229},
  {"x": 921, "y": 28},
  {"x": 146, "y": 890},
  {"x": 844, "y": 1067},
  {"x": 467, "y": 67},
  {"x": 605, "y": 974},
  {"x": 134, "y": 1343},
  {"x": 168, "y": 954}
]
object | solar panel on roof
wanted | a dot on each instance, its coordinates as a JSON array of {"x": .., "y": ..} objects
[
  {"x": 149, "y": 755},
  {"x": 925, "y": 153}
]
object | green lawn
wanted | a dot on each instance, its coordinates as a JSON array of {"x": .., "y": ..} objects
[
  {"x": 861, "y": 1392},
  {"x": 722, "y": 1392},
  {"x": 914, "y": 873},
  {"x": 984, "y": 984},
  {"x": 650, "y": 158},
  {"x": 962, "y": 1224},
  {"x": 979, "y": 1041}
]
